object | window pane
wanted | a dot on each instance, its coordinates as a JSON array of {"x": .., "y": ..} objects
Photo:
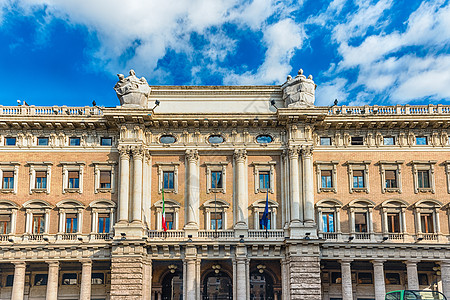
[
  {"x": 106, "y": 141},
  {"x": 325, "y": 141},
  {"x": 42, "y": 141},
  {"x": 10, "y": 141},
  {"x": 357, "y": 140},
  {"x": 97, "y": 278},
  {"x": 168, "y": 179},
  {"x": 74, "y": 141},
  {"x": 421, "y": 140},
  {"x": 264, "y": 180},
  {"x": 69, "y": 279},
  {"x": 389, "y": 140},
  {"x": 105, "y": 179},
  {"x": 216, "y": 180},
  {"x": 40, "y": 279}
]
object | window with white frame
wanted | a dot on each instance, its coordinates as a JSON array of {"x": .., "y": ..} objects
[
  {"x": 216, "y": 214},
  {"x": 73, "y": 177},
  {"x": 172, "y": 209},
  {"x": 105, "y": 179},
  {"x": 358, "y": 176},
  {"x": 40, "y": 174},
  {"x": 102, "y": 216},
  {"x": 264, "y": 173},
  {"x": 423, "y": 172},
  {"x": 216, "y": 177},
  {"x": 391, "y": 180},
  {"x": 70, "y": 216},
  {"x": 8, "y": 216},
  {"x": 393, "y": 212},
  {"x": 329, "y": 215},
  {"x": 168, "y": 177},
  {"x": 258, "y": 208},
  {"x": 37, "y": 217},
  {"x": 8, "y": 177},
  {"x": 361, "y": 216},
  {"x": 427, "y": 216},
  {"x": 326, "y": 176}
]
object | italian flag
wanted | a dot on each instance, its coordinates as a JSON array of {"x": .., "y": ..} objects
[{"x": 163, "y": 212}]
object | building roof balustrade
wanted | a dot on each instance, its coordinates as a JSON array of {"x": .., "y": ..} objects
[
  {"x": 49, "y": 110},
  {"x": 390, "y": 110}
]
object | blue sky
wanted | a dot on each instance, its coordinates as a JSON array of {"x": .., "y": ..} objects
[{"x": 382, "y": 52}]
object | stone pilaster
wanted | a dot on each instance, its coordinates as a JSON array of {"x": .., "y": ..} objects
[
  {"x": 294, "y": 186},
  {"x": 309, "y": 184},
  {"x": 193, "y": 191},
  {"x": 190, "y": 271},
  {"x": 305, "y": 283},
  {"x": 85, "y": 288},
  {"x": 52, "y": 283},
  {"x": 413, "y": 277},
  {"x": 445, "y": 275},
  {"x": 240, "y": 158},
  {"x": 241, "y": 273},
  {"x": 127, "y": 278},
  {"x": 19, "y": 281},
  {"x": 347, "y": 286},
  {"x": 138, "y": 155},
  {"x": 124, "y": 186},
  {"x": 380, "y": 287}
]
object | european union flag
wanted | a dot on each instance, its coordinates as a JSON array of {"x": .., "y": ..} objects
[{"x": 265, "y": 217}]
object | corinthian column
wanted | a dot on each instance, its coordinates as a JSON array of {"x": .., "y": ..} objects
[
  {"x": 294, "y": 186},
  {"x": 241, "y": 222},
  {"x": 124, "y": 183},
  {"x": 138, "y": 155},
  {"x": 309, "y": 183},
  {"x": 193, "y": 189}
]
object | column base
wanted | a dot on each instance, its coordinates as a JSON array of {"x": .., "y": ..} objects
[
  {"x": 191, "y": 229},
  {"x": 299, "y": 230}
]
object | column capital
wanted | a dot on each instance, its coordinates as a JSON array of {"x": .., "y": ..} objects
[
  {"x": 86, "y": 261},
  {"x": 345, "y": 261},
  {"x": 378, "y": 262},
  {"x": 138, "y": 152},
  {"x": 192, "y": 155},
  {"x": 240, "y": 155},
  {"x": 293, "y": 152},
  {"x": 52, "y": 263},
  {"x": 411, "y": 262},
  {"x": 124, "y": 151},
  {"x": 307, "y": 151},
  {"x": 19, "y": 264}
]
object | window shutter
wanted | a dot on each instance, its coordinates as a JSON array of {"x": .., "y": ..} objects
[
  {"x": 169, "y": 217},
  {"x": 71, "y": 216},
  {"x": 390, "y": 175},
  {"x": 358, "y": 173},
  {"x": 8, "y": 174},
  {"x": 216, "y": 216},
  {"x": 105, "y": 177},
  {"x": 5, "y": 218},
  {"x": 360, "y": 218},
  {"x": 40, "y": 174},
  {"x": 103, "y": 215},
  {"x": 73, "y": 174},
  {"x": 326, "y": 173}
]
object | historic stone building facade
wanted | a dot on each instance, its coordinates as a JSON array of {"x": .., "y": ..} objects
[{"x": 358, "y": 197}]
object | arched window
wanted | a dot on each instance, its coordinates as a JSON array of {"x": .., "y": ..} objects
[
  {"x": 394, "y": 221},
  {"x": 37, "y": 218},
  {"x": 216, "y": 214},
  {"x": 171, "y": 208},
  {"x": 328, "y": 211},
  {"x": 70, "y": 218},
  {"x": 261, "y": 285},
  {"x": 361, "y": 225},
  {"x": 8, "y": 216},
  {"x": 258, "y": 208},
  {"x": 427, "y": 219},
  {"x": 217, "y": 285},
  {"x": 102, "y": 218}
]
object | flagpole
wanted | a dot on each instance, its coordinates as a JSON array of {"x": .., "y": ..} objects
[{"x": 215, "y": 214}]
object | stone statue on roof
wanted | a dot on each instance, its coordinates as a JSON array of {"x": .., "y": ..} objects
[
  {"x": 132, "y": 92},
  {"x": 299, "y": 92}
]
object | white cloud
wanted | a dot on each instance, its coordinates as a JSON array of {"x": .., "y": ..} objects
[{"x": 327, "y": 92}]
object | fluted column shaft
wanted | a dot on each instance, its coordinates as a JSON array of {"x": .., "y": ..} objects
[
  {"x": 138, "y": 155},
  {"x": 193, "y": 190},
  {"x": 124, "y": 184},
  {"x": 240, "y": 157},
  {"x": 86, "y": 272},
  {"x": 347, "y": 288},
  {"x": 19, "y": 281},
  {"x": 380, "y": 287},
  {"x": 52, "y": 283},
  {"x": 309, "y": 184},
  {"x": 294, "y": 185},
  {"x": 413, "y": 277}
]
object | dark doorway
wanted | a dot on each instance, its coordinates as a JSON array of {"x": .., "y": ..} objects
[
  {"x": 172, "y": 286},
  {"x": 217, "y": 286},
  {"x": 261, "y": 286}
]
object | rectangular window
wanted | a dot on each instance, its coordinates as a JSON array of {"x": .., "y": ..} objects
[
  {"x": 325, "y": 141},
  {"x": 38, "y": 223},
  {"x": 389, "y": 140},
  {"x": 74, "y": 141},
  {"x": 365, "y": 278},
  {"x": 268, "y": 220},
  {"x": 168, "y": 177},
  {"x": 9, "y": 280},
  {"x": 42, "y": 141},
  {"x": 360, "y": 222},
  {"x": 10, "y": 141},
  {"x": 41, "y": 180},
  {"x": 103, "y": 223},
  {"x": 336, "y": 277},
  {"x": 216, "y": 220},
  {"x": 423, "y": 279},
  {"x": 393, "y": 220},
  {"x": 8, "y": 180},
  {"x": 98, "y": 278},
  {"x": 264, "y": 180},
  {"x": 105, "y": 179},
  {"x": 357, "y": 140},
  {"x": 71, "y": 223},
  {"x": 40, "y": 279},
  {"x": 421, "y": 140},
  {"x": 358, "y": 179},
  {"x": 74, "y": 179},
  {"x": 393, "y": 278},
  {"x": 106, "y": 141},
  {"x": 69, "y": 279},
  {"x": 5, "y": 224},
  {"x": 426, "y": 220},
  {"x": 326, "y": 179},
  {"x": 328, "y": 222},
  {"x": 423, "y": 178},
  {"x": 216, "y": 180},
  {"x": 169, "y": 221},
  {"x": 390, "y": 179}
]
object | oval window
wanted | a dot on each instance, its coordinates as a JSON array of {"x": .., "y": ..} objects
[
  {"x": 264, "y": 139},
  {"x": 216, "y": 139},
  {"x": 167, "y": 139}
]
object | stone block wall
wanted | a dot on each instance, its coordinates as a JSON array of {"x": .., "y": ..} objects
[
  {"x": 127, "y": 278},
  {"x": 304, "y": 278}
]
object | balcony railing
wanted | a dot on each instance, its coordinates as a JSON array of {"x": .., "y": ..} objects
[
  {"x": 430, "y": 236},
  {"x": 266, "y": 234},
  {"x": 165, "y": 234},
  {"x": 362, "y": 236},
  {"x": 396, "y": 236},
  {"x": 49, "y": 111},
  {"x": 103, "y": 236},
  {"x": 216, "y": 234},
  {"x": 390, "y": 110},
  {"x": 329, "y": 235},
  {"x": 4, "y": 237},
  {"x": 35, "y": 237}
]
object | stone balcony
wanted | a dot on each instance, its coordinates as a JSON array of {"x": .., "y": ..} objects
[
  {"x": 390, "y": 110},
  {"x": 338, "y": 237},
  {"x": 49, "y": 111}
]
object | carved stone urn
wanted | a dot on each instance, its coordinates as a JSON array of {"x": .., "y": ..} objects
[
  {"x": 132, "y": 92},
  {"x": 299, "y": 92}
]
